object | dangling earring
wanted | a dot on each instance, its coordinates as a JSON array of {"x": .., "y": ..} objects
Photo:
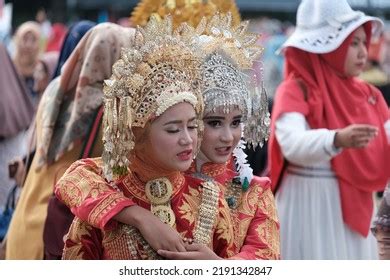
[{"x": 200, "y": 130}]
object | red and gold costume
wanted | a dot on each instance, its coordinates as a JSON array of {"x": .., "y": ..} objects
[
  {"x": 91, "y": 198},
  {"x": 254, "y": 215},
  {"x": 156, "y": 73}
]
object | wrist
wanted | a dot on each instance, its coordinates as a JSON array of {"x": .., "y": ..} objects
[
  {"x": 336, "y": 140},
  {"x": 129, "y": 215}
]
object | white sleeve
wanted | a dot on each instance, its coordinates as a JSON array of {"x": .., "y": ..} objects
[
  {"x": 387, "y": 129},
  {"x": 302, "y": 145}
]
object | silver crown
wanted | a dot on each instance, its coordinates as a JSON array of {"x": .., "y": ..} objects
[{"x": 224, "y": 86}]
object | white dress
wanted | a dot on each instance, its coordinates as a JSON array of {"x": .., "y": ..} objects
[{"x": 308, "y": 199}]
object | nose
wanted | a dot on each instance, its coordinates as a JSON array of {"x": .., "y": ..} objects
[
  {"x": 363, "y": 52},
  {"x": 227, "y": 135},
  {"x": 185, "y": 138}
]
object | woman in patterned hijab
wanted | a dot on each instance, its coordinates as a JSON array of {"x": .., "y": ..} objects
[{"x": 66, "y": 111}]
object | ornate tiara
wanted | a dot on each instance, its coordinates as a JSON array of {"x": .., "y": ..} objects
[
  {"x": 190, "y": 11},
  {"x": 157, "y": 72},
  {"x": 229, "y": 52}
]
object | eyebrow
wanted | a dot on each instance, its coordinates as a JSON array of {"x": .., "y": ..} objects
[
  {"x": 220, "y": 117},
  {"x": 360, "y": 38},
  {"x": 178, "y": 121}
]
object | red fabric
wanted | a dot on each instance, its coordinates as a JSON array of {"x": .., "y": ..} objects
[
  {"x": 57, "y": 36},
  {"x": 256, "y": 229},
  {"x": 89, "y": 242},
  {"x": 335, "y": 101}
]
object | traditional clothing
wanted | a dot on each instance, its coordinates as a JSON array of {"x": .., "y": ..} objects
[
  {"x": 157, "y": 73},
  {"x": 324, "y": 196},
  {"x": 253, "y": 212},
  {"x": 66, "y": 112},
  {"x": 230, "y": 53},
  {"x": 254, "y": 221},
  {"x": 119, "y": 241}
]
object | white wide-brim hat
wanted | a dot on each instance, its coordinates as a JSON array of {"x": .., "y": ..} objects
[{"x": 323, "y": 25}]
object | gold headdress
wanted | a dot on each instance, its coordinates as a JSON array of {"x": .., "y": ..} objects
[
  {"x": 159, "y": 71},
  {"x": 190, "y": 11},
  {"x": 229, "y": 53}
]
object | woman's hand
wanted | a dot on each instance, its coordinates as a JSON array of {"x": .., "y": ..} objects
[
  {"x": 355, "y": 136},
  {"x": 159, "y": 235},
  {"x": 194, "y": 252}
]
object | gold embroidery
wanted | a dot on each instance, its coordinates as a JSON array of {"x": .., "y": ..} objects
[
  {"x": 70, "y": 194},
  {"x": 225, "y": 227},
  {"x": 104, "y": 207},
  {"x": 213, "y": 170},
  {"x": 77, "y": 231},
  {"x": 80, "y": 181},
  {"x": 189, "y": 208},
  {"x": 268, "y": 231}
]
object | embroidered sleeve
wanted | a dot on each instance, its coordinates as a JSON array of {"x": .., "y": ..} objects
[
  {"x": 83, "y": 242},
  {"x": 263, "y": 237},
  {"x": 223, "y": 234},
  {"x": 89, "y": 196}
]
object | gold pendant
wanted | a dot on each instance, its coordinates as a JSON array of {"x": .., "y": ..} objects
[
  {"x": 164, "y": 213},
  {"x": 159, "y": 192}
]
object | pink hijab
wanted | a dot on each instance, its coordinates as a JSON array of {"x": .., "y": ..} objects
[
  {"x": 26, "y": 59},
  {"x": 16, "y": 107}
]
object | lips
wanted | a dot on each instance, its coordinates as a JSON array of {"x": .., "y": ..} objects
[
  {"x": 360, "y": 65},
  {"x": 185, "y": 155},
  {"x": 223, "y": 151}
]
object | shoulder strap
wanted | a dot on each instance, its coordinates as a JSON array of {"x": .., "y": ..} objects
[{"x": 92, "y": 134}]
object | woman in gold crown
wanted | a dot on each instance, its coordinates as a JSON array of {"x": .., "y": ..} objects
[
  {"x": 152, "y": 105},
  {"x": 233, "y": 102},
  {"x": 249, "y": 197}
]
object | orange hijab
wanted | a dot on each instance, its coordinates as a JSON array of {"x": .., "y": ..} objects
[{"x": 335, "y": 102}]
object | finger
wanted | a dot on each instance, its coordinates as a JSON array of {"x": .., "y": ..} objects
[
  {"x": 193, "y": 247},
  {"x": 176, "y": 255},
  {"x": 366, "y": 128},
  {"x": 362, "y": 137},
  {"x": 181, "y": 247},
  {"x": 362, "y": 143}
]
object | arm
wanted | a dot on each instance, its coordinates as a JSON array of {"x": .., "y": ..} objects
[
  {"x": 302, "y": 145},
  {"x": 92, "y": 199},
  {"x": 219, "y": 228},
  {"x": 89, "y": 196},
  {"x": 262, "y": 240}
]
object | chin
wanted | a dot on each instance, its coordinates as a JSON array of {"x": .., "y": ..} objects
[
  {"x": 182, "y": 167},
  {"x": 220, "y": 159}
]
